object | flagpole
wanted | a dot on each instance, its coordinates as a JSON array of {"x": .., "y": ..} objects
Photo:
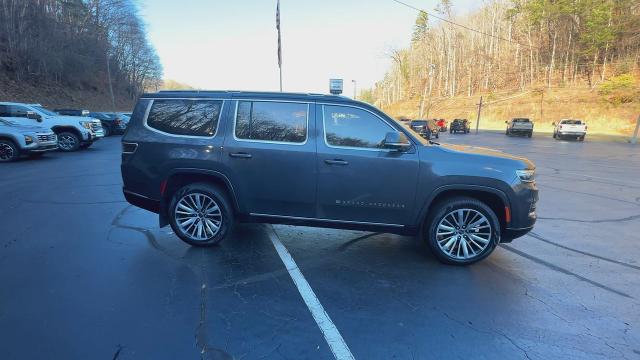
[
  {"x": 280, "y": 77},
  {"x": 279, "y": 43}
]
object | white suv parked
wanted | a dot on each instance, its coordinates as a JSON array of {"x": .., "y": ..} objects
[{"x": 73, "y": 132}]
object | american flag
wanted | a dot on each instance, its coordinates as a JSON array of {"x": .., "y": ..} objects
[{"x": 278, "y": 27}]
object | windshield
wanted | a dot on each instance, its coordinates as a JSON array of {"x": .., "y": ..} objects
[
  {"x": 418, "y": 123},
  {"x": 520, "y": 120},
  {"x": 571, "y": 122},
  {"x": 45, "y": 111}
]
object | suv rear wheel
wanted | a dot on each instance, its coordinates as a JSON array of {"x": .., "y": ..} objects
[
  {"x": 462, "y": 231},
  {"x": 200, "y": 214}
]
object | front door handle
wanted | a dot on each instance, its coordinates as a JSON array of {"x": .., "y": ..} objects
[
  {"x": 241, "y": 155},
  {"x": 336, "y": 162}
]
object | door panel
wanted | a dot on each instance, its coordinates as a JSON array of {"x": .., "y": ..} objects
[
  {"x": 271, "y": 157},
  {"x": 357, "y": 179}
]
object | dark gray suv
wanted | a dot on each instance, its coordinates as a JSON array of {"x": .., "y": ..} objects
[{"x": 203, "y": 160}]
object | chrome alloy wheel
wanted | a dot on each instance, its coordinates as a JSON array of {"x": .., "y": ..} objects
[
  {"x": 463, "y": 234},
  {"x": 66, "y": 142},
  {"x": 198, "y": 216},
  {"x": 6, "y": 152}
]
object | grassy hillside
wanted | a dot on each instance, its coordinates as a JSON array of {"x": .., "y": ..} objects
[
  {"x": 601, "y": 114},
  {"x": 53, "y": 95}
]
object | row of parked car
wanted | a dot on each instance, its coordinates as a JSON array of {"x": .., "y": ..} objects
[
  {"x": 432, "y": 128},
  {"x": 565, "y": 128},
  {"x": 32, "y": 130}
]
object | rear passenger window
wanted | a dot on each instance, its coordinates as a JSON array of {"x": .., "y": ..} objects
[
  {"x": 185, "y": 117},
  {"x": 272, "y": 121}
]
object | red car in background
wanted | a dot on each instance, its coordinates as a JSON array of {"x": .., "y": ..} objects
[{"x": 442, "y": 124}]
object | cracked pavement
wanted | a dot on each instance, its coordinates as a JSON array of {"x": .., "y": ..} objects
[{"x": 85, "y": 275}]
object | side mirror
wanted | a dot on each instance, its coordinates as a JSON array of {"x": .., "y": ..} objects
[
  {"x": 396, "y": 140},
  {"x": 33, "y": 116}
]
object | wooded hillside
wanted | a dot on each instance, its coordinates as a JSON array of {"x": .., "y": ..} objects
[
  {"x": 516, "y": 46},
  {"x": 92, "y": 48}
]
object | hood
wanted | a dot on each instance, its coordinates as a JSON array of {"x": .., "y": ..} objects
[{"x": 487, "y": 152}]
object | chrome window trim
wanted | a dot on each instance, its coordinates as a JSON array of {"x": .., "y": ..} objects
[
  {"x": 324, "y": 129},
  {"x": 152, "y": 100},
  {"x": 235, "y": 120},
  {"x": 328, "y": 220}
]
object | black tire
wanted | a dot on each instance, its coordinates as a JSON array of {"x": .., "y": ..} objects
[
  {"x": 444, "y": 209},
  {"x": 507, "y": 132},
  {"x": 8, "y": 151},
  {"x": 450, "y": 131},
  {"x": 530, "y": 134},
  {"x": 437, "y": 135},
  {"x": 581, "y": 138},
  {"x": 555, "y": 136},
  {"x": 219, "y": 197},
  {"x": 86, "y": 145},
  {"x": 68, "y": 141}
]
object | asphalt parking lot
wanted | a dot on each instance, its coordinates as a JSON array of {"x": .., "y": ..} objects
[{"x": 85, "y": 275}]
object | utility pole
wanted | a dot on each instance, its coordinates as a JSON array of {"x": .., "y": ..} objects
[
  {"x": 431, "y": 69},
  {"x": 478, "y": 119},
  {"x": 634, "y": 139},
  {"x": 355, "y": 89},
  {"x": 541, "y": 99}
]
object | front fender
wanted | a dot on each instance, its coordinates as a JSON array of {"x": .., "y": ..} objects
[{"x": 459, "y": 187}]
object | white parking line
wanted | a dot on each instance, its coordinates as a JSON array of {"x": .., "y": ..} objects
[{"x": 331, "y": 334}]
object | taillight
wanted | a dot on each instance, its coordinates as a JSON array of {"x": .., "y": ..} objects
[
  {"x": 560, "y": 127},
  {"x": 129, "y": 148}
]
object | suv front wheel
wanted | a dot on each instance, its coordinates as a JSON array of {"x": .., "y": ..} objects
[
  {"x": 68, "y": 141},
  {"x": 462, "y": 231},
  {"x": 8, "y": 151},
  {"x": 200, "y": 214}
]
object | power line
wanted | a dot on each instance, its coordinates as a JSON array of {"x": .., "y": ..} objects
[{"x": 463, "y": 26}]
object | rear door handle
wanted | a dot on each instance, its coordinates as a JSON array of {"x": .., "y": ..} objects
[
  {"x": 241, "y": 155},
  {"x": 336, "y": 162}
]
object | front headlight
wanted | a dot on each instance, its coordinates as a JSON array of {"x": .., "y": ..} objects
[
  {"x": 28, "y": 139},
  {"x": 526, "y": 175},
  {"x": 86, "y": 124}
]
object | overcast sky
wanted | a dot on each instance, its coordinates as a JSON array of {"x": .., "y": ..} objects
[{"x": 216, "y": 44}]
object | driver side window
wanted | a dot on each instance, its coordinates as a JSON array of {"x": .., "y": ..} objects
[
  {"x": 16, "y": 111},
  {"x": 352, "y": 127}
]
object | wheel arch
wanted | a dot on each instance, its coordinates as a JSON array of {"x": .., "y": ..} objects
[
  {"x": 10, "y": 138},
  {"x": 180, "y": 177},
  {"x": 496, "y": 199},
  {"x": 63, "y": 128}
]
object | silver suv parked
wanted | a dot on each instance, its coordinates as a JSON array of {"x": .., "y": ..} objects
[
  {"x": 17, "y": 140},
  {"x": 74, "y": 132}
]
